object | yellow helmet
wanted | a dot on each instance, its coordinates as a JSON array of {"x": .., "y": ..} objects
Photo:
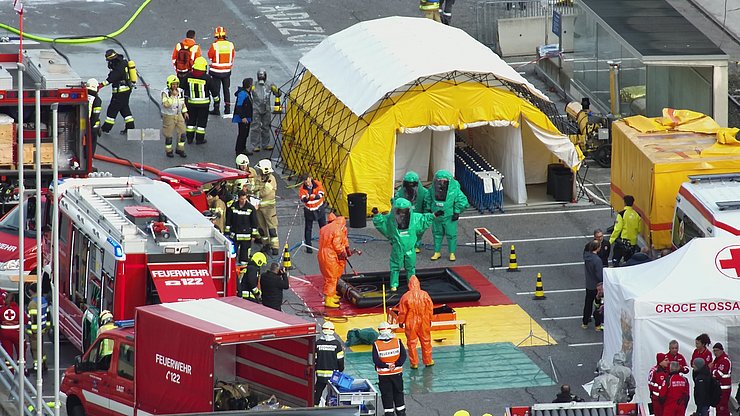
[
  {"x": 106, "y": 317},
  {"x": 462, "y": 413},
  {"x": 200, "y": 64},
  {"x": 219, "y": 32},
  {"x": 172, "y": 79},
  {"x": 259, "y": 258}
]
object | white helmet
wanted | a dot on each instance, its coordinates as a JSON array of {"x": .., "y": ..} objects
[
  {"x": 265, "y": 166},
  {"x": 240, "y": 183},
  {"x": 385, "y": 328},
  {"x": 242, "y": 161},
  {"x": 327, "y": 328},
  {"x": 92, "y": 84}
]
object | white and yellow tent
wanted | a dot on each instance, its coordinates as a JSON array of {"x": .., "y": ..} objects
[{"x": 386, "y": 96}]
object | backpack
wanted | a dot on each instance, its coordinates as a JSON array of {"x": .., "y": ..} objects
[
  {"x": 714, "y": 392},
  {"x": 184, "y": 60}
]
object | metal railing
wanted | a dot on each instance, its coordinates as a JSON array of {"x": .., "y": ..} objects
[
  {"x": 9, "y": 382},
  {"x": 488, "y": 13}
]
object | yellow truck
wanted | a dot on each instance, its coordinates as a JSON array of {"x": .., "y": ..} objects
[{"x": 652, "y": 166}]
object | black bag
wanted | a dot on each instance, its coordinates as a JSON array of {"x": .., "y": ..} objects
[{"x": 715, "y": 392}]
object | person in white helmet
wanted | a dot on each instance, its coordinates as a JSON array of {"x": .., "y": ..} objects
[
  {"x": 267, "y": 212},
  {"x": 329, "y": 357},
  {"x": 389, "y": 356},
  {"x": 251, "y": 181},
  {"x": 94, "y": 107}
]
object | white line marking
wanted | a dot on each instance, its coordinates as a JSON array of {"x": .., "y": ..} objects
[
  {"x": 301, "y": 280},
  {"x": 562, "y": 318},
  {"x": 599, "y": 184},
  {"x": 586, "y": 344},
  {"x": 518, "y": 214},
  {"x": 530, "y": 266},
  {"x": 552, "y": 291}
]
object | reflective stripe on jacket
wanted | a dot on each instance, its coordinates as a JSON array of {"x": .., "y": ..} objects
[{"x": 221, "y": 55}]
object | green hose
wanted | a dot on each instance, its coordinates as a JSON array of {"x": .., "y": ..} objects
[{"x": 82, "y": 40}]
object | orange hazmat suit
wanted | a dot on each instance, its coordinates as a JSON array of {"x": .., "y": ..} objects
[
  {"x": 333, "y": 251},
  {"x": 415, "y": 313}
]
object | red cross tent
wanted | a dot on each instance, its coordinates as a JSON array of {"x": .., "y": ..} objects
[{"x": 693, "y": 290}]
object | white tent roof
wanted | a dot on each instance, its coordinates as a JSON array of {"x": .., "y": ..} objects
[
  {"x": 362, "y": 63},
  {"x": 702, "y": 271}
]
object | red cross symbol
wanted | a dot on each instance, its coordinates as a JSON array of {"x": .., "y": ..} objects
[
  {"x": 733, "y": 262},
  {"x": 9, "y": 315}
]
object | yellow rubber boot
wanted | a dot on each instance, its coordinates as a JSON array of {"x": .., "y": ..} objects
[
  {"x": 436, "y": 256},
  {"x": 452, "y": 257},
  {"x": 331, "y": 303},
  {"x": 431, "y": 363},
  {"x": 418, "y": 250}
]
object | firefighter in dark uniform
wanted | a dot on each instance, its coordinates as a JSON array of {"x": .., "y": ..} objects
[
  {"x": 94, "y": 107},
  {"x": 250, "y": 277},
  {"x": 329, "y": 357},
  {"x": 241, "y": 224},
  {"x": 199, "y": 87},
  {"x": 119, "y": 80}
]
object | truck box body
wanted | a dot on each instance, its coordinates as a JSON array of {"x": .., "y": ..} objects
[
  {"x": 652, "y": 166},
  {"x": 183, "y": 349}
]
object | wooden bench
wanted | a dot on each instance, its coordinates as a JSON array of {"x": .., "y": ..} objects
[
  {"x": 460, "y": 324},
  {"x": 489, "y": 240}
]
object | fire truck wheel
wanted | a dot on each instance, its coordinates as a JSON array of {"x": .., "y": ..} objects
[{"x": 76, "y": 410}]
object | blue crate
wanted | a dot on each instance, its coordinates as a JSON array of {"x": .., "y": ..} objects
[{"x": 341, "y": 380}]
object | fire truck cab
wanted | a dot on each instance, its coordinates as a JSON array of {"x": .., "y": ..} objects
[{"x": 128, "y": 242}]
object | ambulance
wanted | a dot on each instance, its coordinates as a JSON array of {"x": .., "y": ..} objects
[{"x": 707, "y": 206}]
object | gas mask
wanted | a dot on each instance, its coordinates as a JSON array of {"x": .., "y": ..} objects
[
  {"x": 410, "y": 190},
  {"x": 440, "y": 189},
  {"x": 403, "y": 217}
]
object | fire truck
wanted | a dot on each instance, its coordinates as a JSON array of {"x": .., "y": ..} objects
[{"x": 128, "y": 242}]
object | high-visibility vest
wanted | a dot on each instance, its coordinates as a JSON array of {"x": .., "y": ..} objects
[
  {"x": 429, "y": 5},
  {"x": 199, "y": 93},
  {"x": 221, "y": 55},
  {"x": 389, "y": 352},
  {"x": 318, "y": 196},
  {"x": 32, "y": 311},
  {"x": 107, "y": 344}
]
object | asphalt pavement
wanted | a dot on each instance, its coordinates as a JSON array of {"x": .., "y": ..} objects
[{"x": 273, "y": 34}]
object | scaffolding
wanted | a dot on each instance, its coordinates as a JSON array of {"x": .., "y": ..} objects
[{"x": 317, "y": 132}]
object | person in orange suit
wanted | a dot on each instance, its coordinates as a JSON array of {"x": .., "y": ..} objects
[
  {"x": 333, "y": 253},
  {"x": 415, "y": 316}
]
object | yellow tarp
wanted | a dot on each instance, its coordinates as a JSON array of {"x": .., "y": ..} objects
[
  {"x": 652, "y": 166},
  {"x": 317, "y": 119},
  {"x": 484, "y": 325}
]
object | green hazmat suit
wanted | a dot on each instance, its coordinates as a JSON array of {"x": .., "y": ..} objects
[
  {"x": 455, "y": 203},
  {"x": 403, "y": 241},
  {"x": 417, "y": 195}
]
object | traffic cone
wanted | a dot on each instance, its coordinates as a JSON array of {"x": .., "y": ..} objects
[
  {"x": 287, "y": 265},
  {"x": 512, "y": 261},
  {"x": 539, "y": 291}
]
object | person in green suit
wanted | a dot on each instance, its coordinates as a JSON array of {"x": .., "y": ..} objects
[
  {"x": 400, "y": 227},
  {"x": 416, "y": 194},
  {"x": 447, "y": 201}
]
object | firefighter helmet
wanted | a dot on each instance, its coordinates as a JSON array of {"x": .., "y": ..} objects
[
  {"x": 92, "y": 84},
  {"x": 211, "y": 214},
  {"x": 110, "y": 55},
  {"x": 172, "y": 79},
  {"x": 242, "y": 161},
  {"x": 259, "y": 258},
  {"x": 327, "y": 328},
  {"x": 384, "y": 328},
  {"x": 219, "y": 32},
  {"x": 240, "y": 183},
  {"x": 262, "y": 75},
  {"x": 265, "y": 166},
  {"x": 106, "y": 317},
  {"x": 200, "y": 64}
]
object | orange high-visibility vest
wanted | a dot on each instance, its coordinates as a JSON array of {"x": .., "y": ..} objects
[
  {"x": 221, "y": 55},
  {"x": 389, "y": 351}
]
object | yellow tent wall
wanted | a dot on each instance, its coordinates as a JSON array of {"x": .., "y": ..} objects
[
  {"x": 652, "y": 166},
  {"x": 316, "y": 116}
]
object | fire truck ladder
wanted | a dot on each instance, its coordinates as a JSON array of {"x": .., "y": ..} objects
[
  {"x": 99, "y": 208},
  {"x": 9, "y": 384},
  {"x": 222, "y": 264}
]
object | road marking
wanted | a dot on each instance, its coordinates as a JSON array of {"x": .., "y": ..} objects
[
  {"x": 586, "y": 344},
  {"x": 552, "y": 291},
  {"x": 288, "y": 63},
  {"x": 599, "y": 184},
  {"x": 301, "y": 280},
  {"x": 562, "y": 318},
  {"x": 519, "y": 214},
  {"x": 531, "y": 266}
]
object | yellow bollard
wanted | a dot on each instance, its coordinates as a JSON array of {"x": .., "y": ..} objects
[
  {"x": 539, "y": 290},
  {"x": 287, "y": 264},
  {"x": 512, "y": 261}
]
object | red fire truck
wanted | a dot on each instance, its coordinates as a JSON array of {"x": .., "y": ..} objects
[{"x": 128, "y": 242}]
